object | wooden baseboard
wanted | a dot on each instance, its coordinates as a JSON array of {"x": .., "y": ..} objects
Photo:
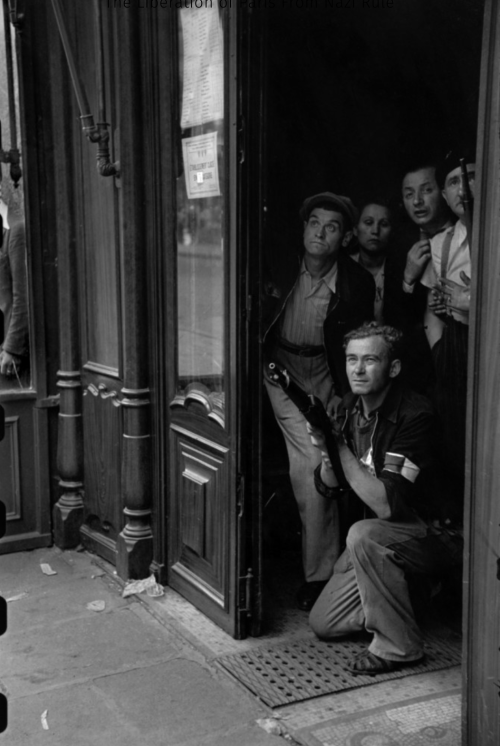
[
  {"x": 22, "y": 542},
  {"x": 101, "y": 545}
]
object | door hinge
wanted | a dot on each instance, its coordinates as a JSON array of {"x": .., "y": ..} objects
[{"x": 246, "y": 593}]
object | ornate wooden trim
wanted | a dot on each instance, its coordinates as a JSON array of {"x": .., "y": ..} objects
[
  {"x": 135, "y": 542},
  {"x": 102, "y": 370},
  {"x": 68, "y": 511},
  {"x": 213, "y": 401},
  {"x": 12, "y": 443},
  {"x": 199, "y": 438}
]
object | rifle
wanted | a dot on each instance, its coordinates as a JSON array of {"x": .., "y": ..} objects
[
  {"x": 314, "y": 412},
  {"x": 467, "y": 201}
]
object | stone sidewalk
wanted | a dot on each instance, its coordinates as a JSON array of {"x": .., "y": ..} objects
[
  {"x": 111, "y": 677},
  {"x": 143, "y": 672}
]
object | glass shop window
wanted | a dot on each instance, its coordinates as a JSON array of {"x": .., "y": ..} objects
[
  {"x": 14, "y": 300},
  {"x": 200, "y": 203}
]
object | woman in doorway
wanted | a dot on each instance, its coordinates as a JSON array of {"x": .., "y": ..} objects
[
  {"x": 373, "y": 233},
  {"x": 374, "y": 250}
]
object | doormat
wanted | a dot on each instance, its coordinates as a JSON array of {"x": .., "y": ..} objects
[{"x": 305, "y": 668}]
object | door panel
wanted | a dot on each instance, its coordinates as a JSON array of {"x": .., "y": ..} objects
[
  {"x": 103, "y": 512},
  {"x": 24, "y": 476},
  {"x": 202, "y": 479},
  {"x": 205, "y": 499}
]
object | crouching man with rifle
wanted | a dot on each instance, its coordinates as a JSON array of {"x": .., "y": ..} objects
[{"x": 384, "y": 434}]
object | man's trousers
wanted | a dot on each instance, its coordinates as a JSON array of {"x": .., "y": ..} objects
[
  {"x": 369, "y": 588},
  {"x": 319, "y": 515}
]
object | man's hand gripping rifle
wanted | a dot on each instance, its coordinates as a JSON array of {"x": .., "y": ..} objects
[{"x": 314, "y": 412}]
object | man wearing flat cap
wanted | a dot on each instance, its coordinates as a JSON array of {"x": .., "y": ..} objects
[{"x": 321, "y": 295}]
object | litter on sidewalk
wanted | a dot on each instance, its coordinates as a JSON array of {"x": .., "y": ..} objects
[
  {"x": 46, "y": 569},
  {"x": 275, "y": 728},
  {"x": 16, "y": 598},
  {"x": 149, "y": 585},
  {"x": 271, "y": 726},
  {"x": 96, "y": 605}
]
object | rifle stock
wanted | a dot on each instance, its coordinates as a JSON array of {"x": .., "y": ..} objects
[{"x": 314, "y": 412}]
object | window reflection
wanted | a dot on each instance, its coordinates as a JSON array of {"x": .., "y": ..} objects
[
  {"x": 200, "y": 194},
  {"x": 14, "y": 349}
]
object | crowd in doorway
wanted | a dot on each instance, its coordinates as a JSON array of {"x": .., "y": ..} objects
[{"x": 371, "y": 324}]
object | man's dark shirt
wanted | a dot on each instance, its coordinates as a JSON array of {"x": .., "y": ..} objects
[{"x": 403, "y": 450}]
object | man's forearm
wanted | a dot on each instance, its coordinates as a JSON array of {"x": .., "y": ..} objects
[{"x": 366, "y": 486}]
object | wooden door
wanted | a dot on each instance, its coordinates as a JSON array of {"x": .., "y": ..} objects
[{"x": 210, "y": 558}]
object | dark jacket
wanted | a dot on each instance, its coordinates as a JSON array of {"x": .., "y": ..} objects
[
  {"x": 405, "y": 311},
  {"x": 402, "y": 449},
  {"x": 350, "y": 306}
]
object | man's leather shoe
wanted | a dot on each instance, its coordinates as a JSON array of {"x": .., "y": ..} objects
[{"x": 308, "y": 593}]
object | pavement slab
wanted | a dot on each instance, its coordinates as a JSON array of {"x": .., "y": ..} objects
[
  {"x": 76, "y": 715},
  {"x": 143, "y": 672},
  {"x": 117, "y": 677},
  {"x": 179, "y": 701},
  {"x": 80, "y": 649}
]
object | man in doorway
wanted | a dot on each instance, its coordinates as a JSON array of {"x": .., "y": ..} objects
[
  {"x": 430, "y": 215},
  {"x": 317, "y": 300},
  {"x": 447, "y": 281},
  {"x": 384, "y": 435},
  {"x": 428, "y": 211}
]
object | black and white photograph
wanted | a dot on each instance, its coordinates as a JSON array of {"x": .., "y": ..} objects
[{"x": 249, "y": 372}]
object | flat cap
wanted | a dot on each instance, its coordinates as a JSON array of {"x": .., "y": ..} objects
[
  {"x": 338, "y": 202},
  {"x": 451, "y": 161}
]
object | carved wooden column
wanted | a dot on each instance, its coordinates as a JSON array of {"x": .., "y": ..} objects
[
  {"x": 68, "y": 511},
  {"x": 135, "y": 542}
]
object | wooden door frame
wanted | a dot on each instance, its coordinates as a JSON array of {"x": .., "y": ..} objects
[{"x": 481, "y": 661}]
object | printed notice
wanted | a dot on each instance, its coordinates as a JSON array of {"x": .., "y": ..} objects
[
  {"x": 200, "y": 165},
  {"x": 203, "y": 69}
]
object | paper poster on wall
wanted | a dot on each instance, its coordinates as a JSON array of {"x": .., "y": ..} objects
[
  {"x": 200, "y": 165},
  {"x": 203, "y": 66}
]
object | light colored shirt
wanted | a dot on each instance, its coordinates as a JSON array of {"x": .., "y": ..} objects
[
  {"x": 458, "y": 261},
  {"x": 378, "y": 275},
  {"x": 307, "y": 306}
]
